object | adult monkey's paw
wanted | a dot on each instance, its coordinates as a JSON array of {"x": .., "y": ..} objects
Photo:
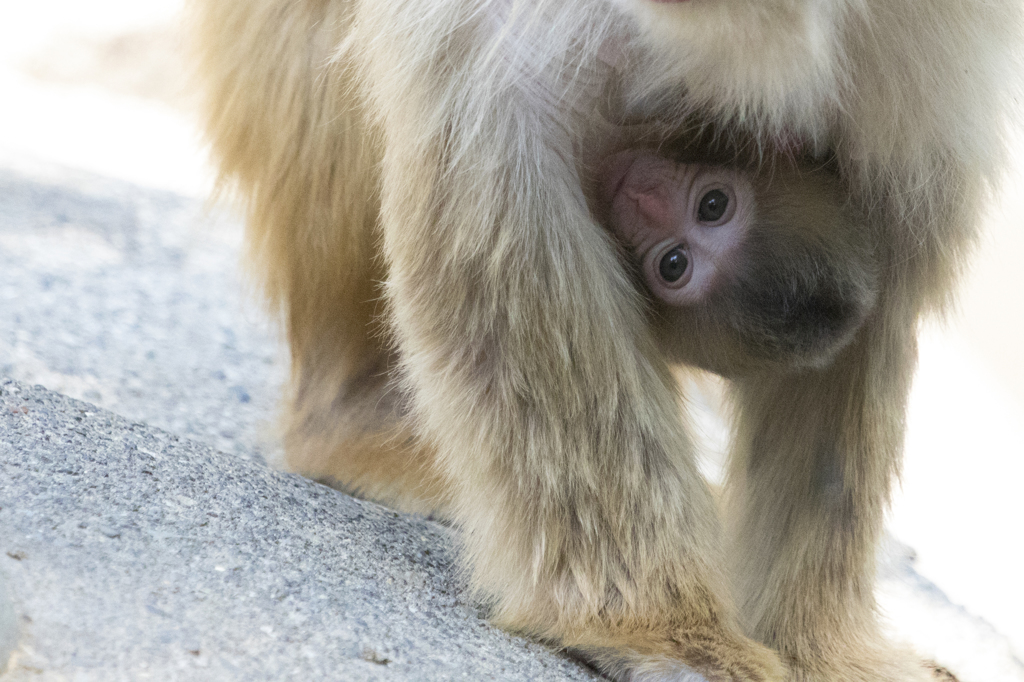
[{"x": 706, "y": 656}]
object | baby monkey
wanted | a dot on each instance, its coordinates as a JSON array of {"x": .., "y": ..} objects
[{"x": 747, "y": 267}]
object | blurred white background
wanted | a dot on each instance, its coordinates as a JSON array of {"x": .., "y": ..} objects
[{"x": 100, "y": 86}]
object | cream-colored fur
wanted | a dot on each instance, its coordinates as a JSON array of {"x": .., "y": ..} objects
[{"x": 464, "y": 337}]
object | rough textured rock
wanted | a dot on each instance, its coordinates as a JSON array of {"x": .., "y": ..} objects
[
  {"x": 131, "y": 299},
  {"x": 8, "y": 624},
  {"x": 132, "y": 554}
]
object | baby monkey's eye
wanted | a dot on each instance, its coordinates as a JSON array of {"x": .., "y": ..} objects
[
  {"x": 712, "y": 206},
  {"x": 673, "y": 264}
]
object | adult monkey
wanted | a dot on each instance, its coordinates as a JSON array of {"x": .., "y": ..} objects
[{"x": 449, "y": 135}]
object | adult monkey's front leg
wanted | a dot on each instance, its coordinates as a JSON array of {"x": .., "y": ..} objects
[{"x": 530, "y": 368}]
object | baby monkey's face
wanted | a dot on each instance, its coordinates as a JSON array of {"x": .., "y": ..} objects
[{"x": 685, "y": 222}]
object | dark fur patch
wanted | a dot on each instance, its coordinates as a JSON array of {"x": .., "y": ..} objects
[
  {"x": 786, "y": 308},
  {"x": 792, "y": 317}
]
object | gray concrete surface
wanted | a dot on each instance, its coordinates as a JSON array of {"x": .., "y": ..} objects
[{"x": 132, "y": 554}]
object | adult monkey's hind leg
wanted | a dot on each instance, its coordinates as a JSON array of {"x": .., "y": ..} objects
[
  {"x": 285, "y": 129},
  {"x": 817, "y": 452}
]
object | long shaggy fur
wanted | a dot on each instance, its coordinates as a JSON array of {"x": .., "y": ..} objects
[{"x": 465, "y": 338}]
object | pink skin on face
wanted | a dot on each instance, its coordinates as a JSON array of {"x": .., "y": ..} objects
[{"x": 671, "y": 215}]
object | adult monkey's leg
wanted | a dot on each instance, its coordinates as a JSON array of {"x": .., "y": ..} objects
[
  {"x": 289, "y": 135},
  {"x": 811, "y": 479},
  {"x": 530, "y": 364},
  {"x": 819, "y": 450}
]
